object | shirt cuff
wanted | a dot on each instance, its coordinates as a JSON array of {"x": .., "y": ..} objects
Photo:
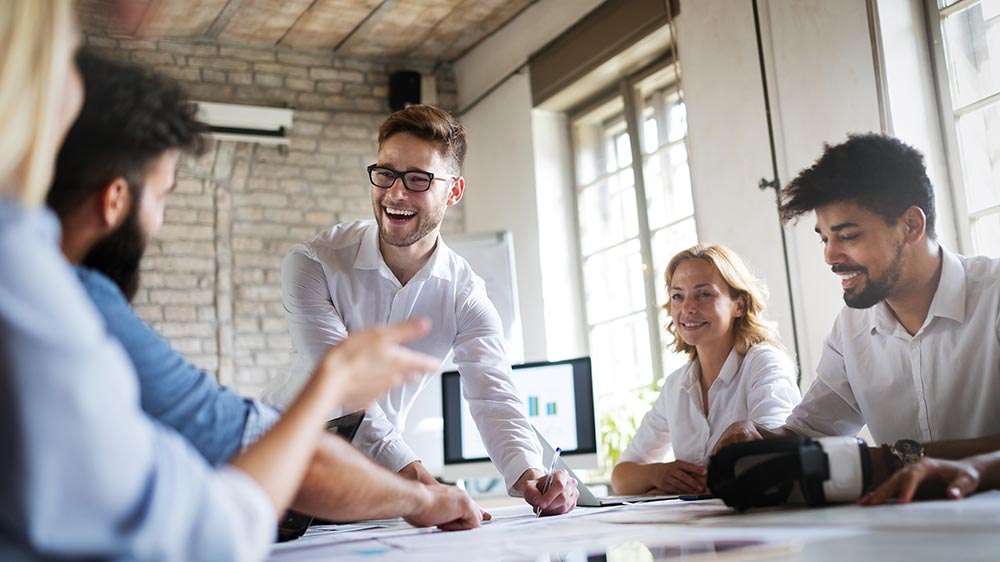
[
  {"x": 395, "y": 455},
  {"x": 253, "y": 517},
  {"x": 260, "y": 419},
  {"x": 516, "y": 467}
]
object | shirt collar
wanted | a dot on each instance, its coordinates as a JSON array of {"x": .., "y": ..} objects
[
  {"x": 729, "y": 369},
  {"x": 370, "y": 257},
  {"x": 948, "y": 300}
]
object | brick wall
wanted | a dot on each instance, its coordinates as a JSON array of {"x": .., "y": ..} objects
[{"x": 212, "y": 280}]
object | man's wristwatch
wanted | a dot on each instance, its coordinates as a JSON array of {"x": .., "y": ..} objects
[{"x": 907, "y": 451}]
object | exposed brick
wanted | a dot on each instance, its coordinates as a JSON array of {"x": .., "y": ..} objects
[
  {"x": 300, "y": 85},
  {"x": 269, "y": 80},
  {"x": 212, "y": 280},
  {"x": 253, "y": 55},
  {"x": 218, "y": 62},
  {"x": 282, "y": 70},
  {"x": 152, "y": 57},
  {"x": 210, "y": 75}
]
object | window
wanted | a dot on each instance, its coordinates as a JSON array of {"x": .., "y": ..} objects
[
  {"x": 970, "y": 49},
  {"x": 635, "y": 212}
]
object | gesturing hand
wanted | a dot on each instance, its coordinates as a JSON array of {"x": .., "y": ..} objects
[
  {"x": 958, "y": 477},
  {"x": 370, "y": 362}
]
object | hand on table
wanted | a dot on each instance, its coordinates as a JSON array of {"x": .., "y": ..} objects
[
  {"x": 680, "y": 477},
  {"x": 958, "y": 477},
  {"x": 450, "y": 509},
  {"x": 738, "y": 432}
]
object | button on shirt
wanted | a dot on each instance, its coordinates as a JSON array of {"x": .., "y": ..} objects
[
  {"x": 759, "y": 386},
  {"x": 941, "y": 383},
  {"x": 85, "y": 473},
  {"x": 338, "y": 283}
]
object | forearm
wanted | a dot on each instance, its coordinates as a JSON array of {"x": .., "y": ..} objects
[
  {"x": 342, "y": 484},
  {"x": 962, "y": 448},
  {"x": 630, "y": 478},
  {"x": 988, "y": 466},
  {"x": 416, "y": 471},
  {"x": 776, "y": 432},
  {"x": 279, "y": 459}
]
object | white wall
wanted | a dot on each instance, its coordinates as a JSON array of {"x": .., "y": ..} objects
[
  {"x": 728, "y": 143},
  {"x": 500, "y": 193},
  {"x": 505, "y": 51}
]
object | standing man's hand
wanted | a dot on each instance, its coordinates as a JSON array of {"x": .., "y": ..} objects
[{"x": 559, "y": 498}]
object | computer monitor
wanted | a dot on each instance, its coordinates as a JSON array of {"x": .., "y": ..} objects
[{"x": 557, "y": 398}]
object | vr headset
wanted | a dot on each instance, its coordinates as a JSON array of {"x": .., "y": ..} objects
[{"x": 796, "y": 470}]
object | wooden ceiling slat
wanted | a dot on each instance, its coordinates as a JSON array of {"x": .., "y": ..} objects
[
  {"x": 432, "y": 30},
  {"x": 400, "y": 30},
  {"x": 191, "y": 18},
  {"x": 327, "y": 23},
  {"x": 465, "y": 26},
  {"x": 263, "y": 22}
]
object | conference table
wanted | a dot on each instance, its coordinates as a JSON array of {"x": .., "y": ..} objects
[{"x": 672, "y": 530}]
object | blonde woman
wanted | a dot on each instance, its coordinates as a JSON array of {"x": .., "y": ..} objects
[
  {"x": 737, "y": 371},
  {"x": 86, "y": 474}
]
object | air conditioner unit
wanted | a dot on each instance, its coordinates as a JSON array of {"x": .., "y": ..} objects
[{"x": 246, "y": 123}]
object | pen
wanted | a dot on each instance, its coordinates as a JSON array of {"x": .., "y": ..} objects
[{"x": 548, "y": 481}]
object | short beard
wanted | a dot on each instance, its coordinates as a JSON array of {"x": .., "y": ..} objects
[
  {"x": 423, "y": 229},
  {"x": 877, "y": 291},
  {"x": 119, "y": 256}
]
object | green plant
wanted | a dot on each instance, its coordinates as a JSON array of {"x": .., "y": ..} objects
[{"x": 621, "y": 414}]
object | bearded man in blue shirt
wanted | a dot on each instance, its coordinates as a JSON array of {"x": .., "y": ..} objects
[{"x": 113, "y": 176}]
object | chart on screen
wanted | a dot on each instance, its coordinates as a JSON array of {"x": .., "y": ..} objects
[{"x": 548, "y": 402}]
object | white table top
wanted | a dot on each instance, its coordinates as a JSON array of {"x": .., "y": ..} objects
[{"x": 946, "y": 530}]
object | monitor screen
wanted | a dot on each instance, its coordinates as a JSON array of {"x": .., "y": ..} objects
[{"x": 557, "y": 398}]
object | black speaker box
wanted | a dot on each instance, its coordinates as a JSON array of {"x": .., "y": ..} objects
[{"x": 404, "y": 89}]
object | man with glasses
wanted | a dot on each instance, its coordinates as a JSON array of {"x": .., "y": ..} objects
[{"x": 359, "y": 274}]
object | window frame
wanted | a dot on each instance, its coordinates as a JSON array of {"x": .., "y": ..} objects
[
  {"x": 627, "y": 89},
  {"x": 948, "y": 118}
]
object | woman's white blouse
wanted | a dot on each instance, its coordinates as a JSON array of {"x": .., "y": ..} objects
[{"x": 759, "y": 386}]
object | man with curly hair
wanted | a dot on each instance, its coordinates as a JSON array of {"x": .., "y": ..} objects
[{"x": 915, "y": 354}]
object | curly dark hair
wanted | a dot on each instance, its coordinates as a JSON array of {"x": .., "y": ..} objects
[
  {"x": 878, "y": 172},
  {"x": 130, "y": 117}
]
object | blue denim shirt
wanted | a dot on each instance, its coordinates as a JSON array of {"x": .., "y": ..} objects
[
  {"x": 85, "y": 472},
  {"x": 214, "y": 419}
]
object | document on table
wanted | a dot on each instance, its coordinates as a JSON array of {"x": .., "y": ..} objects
[{"x": 574, "y": 536}]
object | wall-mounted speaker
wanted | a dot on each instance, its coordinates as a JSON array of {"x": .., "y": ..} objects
[{"x": 404, "y": 89}]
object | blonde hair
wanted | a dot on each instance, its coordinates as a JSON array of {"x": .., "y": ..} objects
[
  {"x": 36, "y": 36},
  {"x": 751, "y": 328}
]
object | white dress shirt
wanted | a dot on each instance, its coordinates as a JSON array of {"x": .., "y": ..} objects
[
  {"x": 338, "y": 283},
  {"x": 941, "y": 383},
  {"x": 759, "y": 386},
  {"x": 86, "y": 474}
]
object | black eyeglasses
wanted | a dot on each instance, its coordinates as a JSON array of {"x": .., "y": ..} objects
[{"x": 413, "y": 180}]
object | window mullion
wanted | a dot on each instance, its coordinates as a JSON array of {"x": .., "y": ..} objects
[{"x": 632, "y": 117}]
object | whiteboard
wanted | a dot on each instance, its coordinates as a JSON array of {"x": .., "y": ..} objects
[{"x": 491, "y": 256}]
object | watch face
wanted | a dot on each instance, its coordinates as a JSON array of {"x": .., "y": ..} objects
[{"x": 908, "y": 451}]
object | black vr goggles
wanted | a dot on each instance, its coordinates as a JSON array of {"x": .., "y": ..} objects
[{"x": 791, "y": 470}]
